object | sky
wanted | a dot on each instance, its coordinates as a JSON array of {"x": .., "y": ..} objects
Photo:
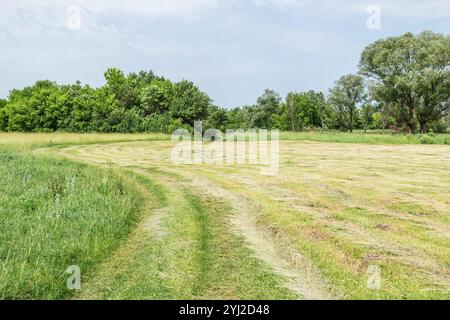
[{"x": 232, "y": 49}]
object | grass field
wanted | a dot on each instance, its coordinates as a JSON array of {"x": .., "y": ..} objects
[
  {"x": 36, "y": 140},
  {"x": 55, "y": 214},
  {"x": 366, "y": 138},
  {"x": 204, "y": 231}
]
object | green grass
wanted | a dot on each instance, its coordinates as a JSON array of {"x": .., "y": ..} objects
[
  {"x": 366, "y": 138},
  {"x": 344, "y": 205},
  {"x": 58, "y": 213},
  {"x": 55, "y": 214},
  {"x": 195, "y": 258},
  {"x": 27, "y": 141},
  {"x": 42, "y": 140}
]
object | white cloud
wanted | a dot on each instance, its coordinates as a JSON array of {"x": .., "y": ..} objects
[
  {"x": 152, "y": 47},
  {"x": 144, "y": 7},
  {"x": 397, "y": 8},
  {"x": 34, "y": 18},
  {"x": 21, "y": 17}
]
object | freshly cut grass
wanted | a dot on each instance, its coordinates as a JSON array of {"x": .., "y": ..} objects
[
  {"x": 55, "y": 214},
  {"x": 345, "y": 207}
]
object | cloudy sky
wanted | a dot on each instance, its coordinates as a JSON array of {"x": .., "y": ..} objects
[{"x": 233, "y": 49}]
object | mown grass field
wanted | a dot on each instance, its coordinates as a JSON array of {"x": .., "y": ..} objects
[{"x": 165, "y": 231}]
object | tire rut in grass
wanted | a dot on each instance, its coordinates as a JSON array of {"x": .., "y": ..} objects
[
  {"x": 225, "y": 267},
  {"x": 218, "y": 265},
  {"x": 302, "y": 277}
]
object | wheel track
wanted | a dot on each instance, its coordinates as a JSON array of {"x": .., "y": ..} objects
[{"x": 301, "y": 276}]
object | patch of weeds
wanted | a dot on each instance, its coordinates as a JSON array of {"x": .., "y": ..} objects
[{"x": 411, "y": 208}]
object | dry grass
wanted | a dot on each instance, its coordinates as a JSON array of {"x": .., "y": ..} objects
[{"x": 50, "y": 139}]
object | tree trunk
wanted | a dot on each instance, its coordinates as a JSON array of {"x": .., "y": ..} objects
[
  {"x": 350, "y": 125},
  {"x": 423, "y": 127},
  {"x": 411, "y": 122}
]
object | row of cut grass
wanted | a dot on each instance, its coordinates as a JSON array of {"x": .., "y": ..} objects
[{"x": 337, "y": 251}]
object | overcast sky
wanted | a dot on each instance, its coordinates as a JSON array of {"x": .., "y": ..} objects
[{"x": 232, "y": 49}]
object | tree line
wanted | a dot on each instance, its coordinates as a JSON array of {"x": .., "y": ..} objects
[{"x": 403, "y": 84}]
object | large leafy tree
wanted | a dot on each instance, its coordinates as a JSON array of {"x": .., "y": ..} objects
[
  {"x": 240, "y": 118},
  {"x": 37, "y": 108},
  {"x": 390, "y": 63},
  {"x": 412, "y": 73},
  {"x": 3, "y": 115},
  {"x": 218, "y": 119},
  {"x": 126, "y": 89},
  {"x": 188, "y": 103},
  {"x": 303, "y": 110},
  {"x": 155, "y": 97},
  {"x": 267, "y": 106},
  {"x": 291, "y": 111},
  {"x": 433, "y": 79},
  {"x": 345, "y": 97}
]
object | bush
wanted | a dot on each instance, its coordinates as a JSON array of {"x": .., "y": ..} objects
[
  {"x": 439, "y": 127},
  {"x": 428, "y": 139}
]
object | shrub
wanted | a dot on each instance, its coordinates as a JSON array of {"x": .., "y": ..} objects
[{"x": 428, "y": 139}]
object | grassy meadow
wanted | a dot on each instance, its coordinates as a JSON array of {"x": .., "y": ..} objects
[
  {"x": 55, "y": 214},
  {"x": 374, "y": 137},
  {"x": 140, "y": 227}
]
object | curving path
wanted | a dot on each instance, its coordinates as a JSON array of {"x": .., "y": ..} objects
[{"x": 310, "y": 232}]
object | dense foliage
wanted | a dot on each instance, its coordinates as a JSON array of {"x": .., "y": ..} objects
[
  {"x": 403, "y": 85},
  {"x": 133, "y": 103},
  {"x": 411, "y": 78}
]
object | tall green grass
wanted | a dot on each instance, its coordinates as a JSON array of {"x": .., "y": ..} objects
[
  {"x": 27, "y": 141},
  {"x": 55, "y": 214},
  {"x": 366, "y": 138}
]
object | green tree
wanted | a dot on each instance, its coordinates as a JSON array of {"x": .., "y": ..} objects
[
  {"x": 81, "y": 101},
  {"x": 267, "y": 105},
  {"x": 412, "y": 74},
  {"x": 36, "y": 108},
  {"x": 188, "y": 103},
  {"x": 433, "y": 80},
  {"x": 367, "y": 112},
  {"x": 155, "y": 97},
  {"x": 291, "y": 111},
  {"x": 303, "y": 110},
  {"x": 345, "y": 98},
  {"x": 3, "y": 115},
  {"x": 239, "y": 118},
  {"x": 218, "y": 119},
  {"x": 126, "y": 89}
]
